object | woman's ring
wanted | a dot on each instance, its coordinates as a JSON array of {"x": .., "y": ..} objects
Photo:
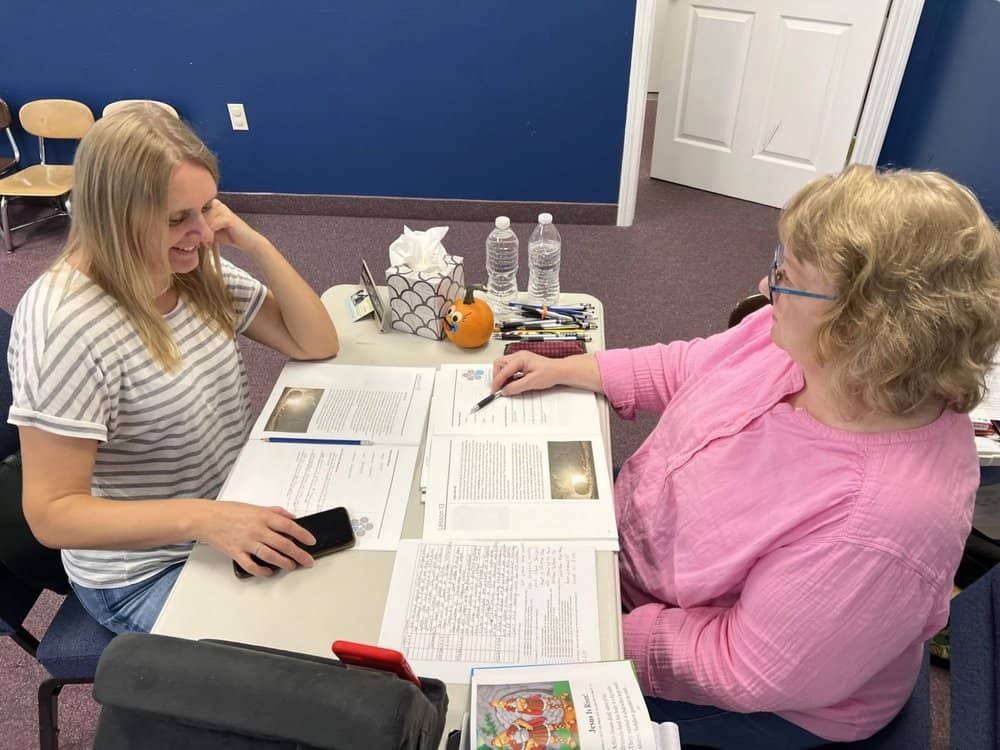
[{"x": 256, "y": 550}]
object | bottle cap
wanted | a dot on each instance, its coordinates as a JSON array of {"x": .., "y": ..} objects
[
  {"x": 544, "y": 218},
  {"x": 502, "y": 222}
]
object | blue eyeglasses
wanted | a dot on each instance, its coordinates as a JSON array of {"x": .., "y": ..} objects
[{"x": 775, "y": 276}]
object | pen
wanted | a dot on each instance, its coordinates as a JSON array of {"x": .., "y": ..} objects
[
  {"x": 495, "y": 395},
  {"x": 533, "y": 325},
  {"x": 565, "y": 330},
  {"x": 540, "y": 337},
  {"x": 553, "y": 312},
  {"x": 547, "y": 314},
  {"x": 317, "y": 441},
  {"x": 578, "y": 307},
  {"x": 486, "y": 401}
]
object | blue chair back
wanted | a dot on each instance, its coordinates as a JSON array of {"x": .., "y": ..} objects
[
  {"x": 911, "y": 728},
  {"x": 974, "y": 632}
]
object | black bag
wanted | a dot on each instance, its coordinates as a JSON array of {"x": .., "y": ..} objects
[{"x": 162, "y": 692}]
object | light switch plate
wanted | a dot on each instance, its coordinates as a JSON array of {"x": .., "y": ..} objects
[{"x": 238, "y": 116}]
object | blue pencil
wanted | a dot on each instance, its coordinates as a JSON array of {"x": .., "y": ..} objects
[{"x": 317, "y": 441}]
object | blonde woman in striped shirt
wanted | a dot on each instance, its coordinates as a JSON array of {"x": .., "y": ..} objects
[{"x": 130, "y": 393}]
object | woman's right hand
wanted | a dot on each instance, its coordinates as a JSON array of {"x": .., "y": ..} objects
[
  {"x": 539, "y": 373},
  {"x": 240, "y": 530}
]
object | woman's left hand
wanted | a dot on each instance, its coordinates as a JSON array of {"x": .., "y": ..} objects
[{"x": 231, "y": 230}]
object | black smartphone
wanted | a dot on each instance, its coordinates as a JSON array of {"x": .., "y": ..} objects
[{"x": 332, "y": 529}]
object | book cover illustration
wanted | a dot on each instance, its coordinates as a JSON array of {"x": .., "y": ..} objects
[{"x": 527, "y": 716}]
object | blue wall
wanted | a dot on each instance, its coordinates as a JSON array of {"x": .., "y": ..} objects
[
  {"x": 947, "y": 115},
  {"x": 520, "y": 100}
]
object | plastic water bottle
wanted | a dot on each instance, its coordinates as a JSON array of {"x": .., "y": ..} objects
[
  {"x": 501, "y": 266},
  {"x": 544, "y": 251}
]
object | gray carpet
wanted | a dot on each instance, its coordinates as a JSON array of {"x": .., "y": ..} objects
[{"x": 676, "y": 273}]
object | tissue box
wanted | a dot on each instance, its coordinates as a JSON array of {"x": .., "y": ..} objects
[{"x": 418, "y": 300}]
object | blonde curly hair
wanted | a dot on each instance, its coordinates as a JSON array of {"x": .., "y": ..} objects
[{"x": 916, "y": 262}]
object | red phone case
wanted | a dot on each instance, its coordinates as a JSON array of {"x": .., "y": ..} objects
[{"x": 375, "y": 657}]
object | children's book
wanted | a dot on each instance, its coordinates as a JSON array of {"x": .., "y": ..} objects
[{"x": 586, "y": 706}]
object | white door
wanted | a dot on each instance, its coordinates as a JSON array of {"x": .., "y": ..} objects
[
  {"x": 758, "y": 97},
  {"x": 656, "y": 58}
]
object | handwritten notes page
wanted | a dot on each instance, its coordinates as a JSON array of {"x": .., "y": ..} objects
[
  {"x": 453, "y": 606},
  {"x": 525, "y": 467}
]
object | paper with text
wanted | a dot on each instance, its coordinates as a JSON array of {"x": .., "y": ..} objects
[
  {"x": 326, "y": 400},
  {"x": 595, "y": 706},
  {"x": 531, "y": 466},
  {"x": 519, "y": 488},
  {"x": 453, "y": 606},
  {"x": 372, "y": 482},
  {"x": 457, "y": 388}
]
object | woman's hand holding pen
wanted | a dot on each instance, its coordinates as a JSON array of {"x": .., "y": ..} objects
[
  {"x": 240, "y": 530},
  {"x": 540, "y": 373}
]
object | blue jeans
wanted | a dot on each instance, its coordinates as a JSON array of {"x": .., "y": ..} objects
[
  {"x": 129, "y": 608},
  {"x": 711, "y": 727}
]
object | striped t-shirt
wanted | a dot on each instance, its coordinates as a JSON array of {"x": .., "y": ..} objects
[{"x": 79, "y": 369}]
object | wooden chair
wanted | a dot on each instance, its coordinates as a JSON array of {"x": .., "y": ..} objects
[
  {"x": 115, "y": 106},
  {"x": 8, "y": 163},
  {"x": 45, "y": 118}
]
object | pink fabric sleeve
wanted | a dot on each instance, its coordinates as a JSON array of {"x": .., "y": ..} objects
[
  {"x": 645, "y": 379},
  {"x": 801, "y": 635}
]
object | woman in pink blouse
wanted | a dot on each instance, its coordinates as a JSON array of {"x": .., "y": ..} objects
[{"x": 790, "y": 529}]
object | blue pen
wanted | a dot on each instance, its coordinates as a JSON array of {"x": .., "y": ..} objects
[
  {"x": 568, "y": 309},
  {"x": 317, "y": 441},
  {"x": 547, "y": 314}
]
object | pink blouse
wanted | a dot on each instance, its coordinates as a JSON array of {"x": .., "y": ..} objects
[{"x": 772, "y": 563}]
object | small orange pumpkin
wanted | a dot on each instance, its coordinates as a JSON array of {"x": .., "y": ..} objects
[{"x": 469, "y": 321}]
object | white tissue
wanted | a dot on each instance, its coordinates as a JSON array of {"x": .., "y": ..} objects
[{"x": 421, "y": 250}]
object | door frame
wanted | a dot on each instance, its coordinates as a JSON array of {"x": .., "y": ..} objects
[{"x": 887, "y": 75}]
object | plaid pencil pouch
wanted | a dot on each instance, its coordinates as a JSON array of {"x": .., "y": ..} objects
[{"x": 552, "y": 349}]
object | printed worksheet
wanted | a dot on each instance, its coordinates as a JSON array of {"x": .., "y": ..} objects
[
  {"x": 323, "y": 400},
  {"x": 531, "y": 466},
  {"x": 458, "y": 388},
  {"x": 457, "y": 605},
  {"x": 519, "y": 488},
  {"x": 373, "y": 482}
]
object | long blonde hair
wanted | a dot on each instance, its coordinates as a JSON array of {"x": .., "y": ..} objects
[
  {"x": 916, "y": 262},
  {"x": 121, "y": 174}
]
